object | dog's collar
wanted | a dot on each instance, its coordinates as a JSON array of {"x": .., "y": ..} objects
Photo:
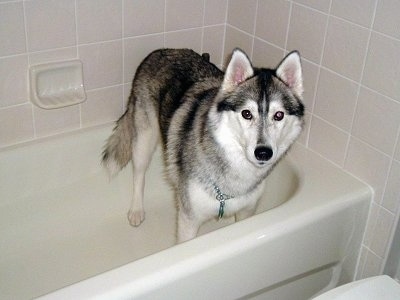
[{"x": 221, "y": 197}]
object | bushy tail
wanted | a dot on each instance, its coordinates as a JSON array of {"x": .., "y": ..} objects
[{"x": 118, "y": 148}]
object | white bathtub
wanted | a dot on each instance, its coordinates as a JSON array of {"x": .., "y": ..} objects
[{"x": 64, "y": 232}]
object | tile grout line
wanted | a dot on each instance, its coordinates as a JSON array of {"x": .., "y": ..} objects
[
  {"x": 285, "y": 49},
  {"x": 78, "y": 57},
  {"x": 318, "y": 76},
  {"x": 224, "y": 35},
  {"x": 254, "y": 30},
  {"x": 165, "y": 22},
  {"x": 28, "y": 75},
  {"x": 359, "y": 83},
  {"x": 123, "y": 54},
  {"x": 202, "y": 28}
]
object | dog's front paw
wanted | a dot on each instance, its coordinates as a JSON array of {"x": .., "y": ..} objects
[{"x": 135, "y": 217}]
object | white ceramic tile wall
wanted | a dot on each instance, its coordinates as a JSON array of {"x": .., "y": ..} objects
[
  {"x": 110, "y": 37},
  {"x": 49, "y": 24},
  {"x": 352, "y": 97},
  {"x": 350, "y": 63}
]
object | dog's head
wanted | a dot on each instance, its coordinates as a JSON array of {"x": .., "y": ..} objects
[{"x": 259, "y": 112}]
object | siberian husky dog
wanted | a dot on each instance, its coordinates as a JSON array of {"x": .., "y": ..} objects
[{"x": 222, "y": 133}]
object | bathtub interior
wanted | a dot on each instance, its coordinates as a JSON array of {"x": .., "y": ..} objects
[{"x": 62, "y": 220}]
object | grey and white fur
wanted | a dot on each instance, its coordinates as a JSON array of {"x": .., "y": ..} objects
[{"x": 221, "y": 133}]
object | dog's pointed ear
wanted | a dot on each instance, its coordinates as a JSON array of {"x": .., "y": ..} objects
[
  {"x": 289, "y": 71},
  {"x": 239, "y": 69}
]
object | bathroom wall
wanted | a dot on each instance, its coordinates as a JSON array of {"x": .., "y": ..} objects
[
  {"x": 350, "y": 60},
  {"x": 110, "y": 37}
]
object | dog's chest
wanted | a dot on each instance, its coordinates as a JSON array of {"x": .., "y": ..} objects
[{"x": 206, "y": 202}]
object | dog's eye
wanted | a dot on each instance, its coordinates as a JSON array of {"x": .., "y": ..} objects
[
  {"x": 278, "y": 116},
  {"x": 247, "y": 114}
]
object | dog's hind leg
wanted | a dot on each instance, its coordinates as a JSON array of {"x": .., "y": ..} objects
[
  {"x": 143, "y": 147},
  {"x": 187, "y": 227}
]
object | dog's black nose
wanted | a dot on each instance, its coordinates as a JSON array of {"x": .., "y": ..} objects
[{"x": 263, "y": 153}]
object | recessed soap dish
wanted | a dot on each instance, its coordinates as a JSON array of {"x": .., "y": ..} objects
[{"x": 55, "y": 85}]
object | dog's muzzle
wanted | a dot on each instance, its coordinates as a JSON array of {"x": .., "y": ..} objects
[{"x": 263, "y": 153}]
